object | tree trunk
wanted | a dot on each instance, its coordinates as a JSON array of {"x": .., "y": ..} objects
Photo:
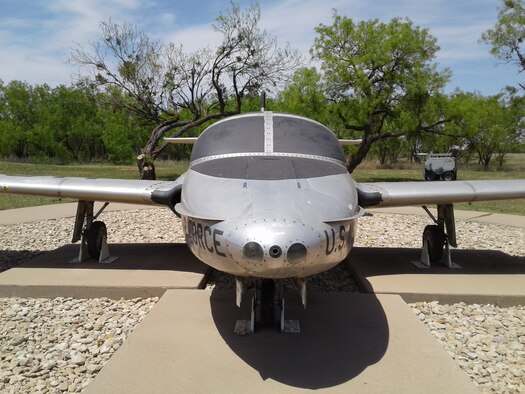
[
  {"x": 353, "y": 161},
  {"x": 146, "y": 167}
]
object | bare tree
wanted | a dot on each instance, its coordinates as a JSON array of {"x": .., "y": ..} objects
[{"x": 174, "y": 91}]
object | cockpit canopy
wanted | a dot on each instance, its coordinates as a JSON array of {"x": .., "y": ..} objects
[{"x": 249, "y": 133}]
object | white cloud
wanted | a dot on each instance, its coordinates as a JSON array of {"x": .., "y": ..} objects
[
  {"x": 38, "y": 43},
  {"x": 14, "y": 23},
  {"x": 460, "y": 43},
  {"x": 37, "y": 68},
  {"x": 167, "y": 18},
  {"x": 39, "y": 46},
  {"x": 193, "y": 38}
]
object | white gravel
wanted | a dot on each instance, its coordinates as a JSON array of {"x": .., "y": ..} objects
[
  {"x": 488, "y": 342},
  {"x": 59, "y": 345}
]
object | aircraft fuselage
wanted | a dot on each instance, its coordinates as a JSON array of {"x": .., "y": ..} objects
[{"x": 271, "y": 212}]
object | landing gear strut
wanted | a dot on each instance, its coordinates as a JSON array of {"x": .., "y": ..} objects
[
  {"x": 91, "y": 233},
  {"x": 267, "y": 302}
]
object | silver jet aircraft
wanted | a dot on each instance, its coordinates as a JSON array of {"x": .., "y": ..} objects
[{"x": 267, "y": 196}]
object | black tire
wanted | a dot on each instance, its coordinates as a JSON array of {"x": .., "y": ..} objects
[
  {"x": 267, "y": 302},
  {"x": 430, "y": 176},
  {"x": 448, "y": 176},
  {"x": 95, "y": 237},
  {"x": 434, "y": 239}
]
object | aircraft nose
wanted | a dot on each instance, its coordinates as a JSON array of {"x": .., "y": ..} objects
[{"x": 271, "y": 247}]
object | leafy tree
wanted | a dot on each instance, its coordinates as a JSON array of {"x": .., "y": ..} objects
[
  {"x": 173, "y": 91},
  {"x": 389, "y": 151},
  {"x": 68, "y": 127},
  {"x": 381, "y": 78},
  {"x": 122, "y": 133},
  {"x": 490, "y": 125},
  {"x": 64, "y": 124},
  {"x": 304, "y": 95},
  {"x": 508, "y": 34},
  {"x": 18, "y": 106}
]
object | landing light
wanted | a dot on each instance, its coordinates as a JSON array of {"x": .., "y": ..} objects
[
  {"x": 253, "y": 252},
  {"x": 296, "y": 253}
]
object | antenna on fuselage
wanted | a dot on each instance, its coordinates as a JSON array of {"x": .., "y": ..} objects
[{"x": 263, "y": 101}]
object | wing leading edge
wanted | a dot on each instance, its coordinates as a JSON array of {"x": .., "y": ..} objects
[
  {"x": 96, "y": 189},
  {"x": 397, "y": 194}
]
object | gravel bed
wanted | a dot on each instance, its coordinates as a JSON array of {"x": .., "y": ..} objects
[
  {"x": 487, "y": 342},
  {"x": 59, "y": 345}
]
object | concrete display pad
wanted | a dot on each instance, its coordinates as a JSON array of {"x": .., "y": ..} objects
[
  {"x": 141, "y": 270},
  {"x": 485, "y": 276},
  {"x": 349, "y": 343}
]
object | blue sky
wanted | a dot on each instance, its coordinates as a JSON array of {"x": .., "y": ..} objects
[{"x": 37, "y": 36}]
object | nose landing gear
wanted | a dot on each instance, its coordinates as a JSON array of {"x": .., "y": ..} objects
[{"x": 268, "y": 306}]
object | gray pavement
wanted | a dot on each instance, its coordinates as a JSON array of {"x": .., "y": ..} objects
[{"x": 349, "y": 343}]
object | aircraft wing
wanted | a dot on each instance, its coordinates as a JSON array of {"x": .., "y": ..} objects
[
  {"x": 397, "y": 194},
  {"x": 96, "y": 189}
]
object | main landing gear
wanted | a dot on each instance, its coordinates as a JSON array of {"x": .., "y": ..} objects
[
  {"x": 92, "y": 234},
  {"x": 267, "y": 306},
  {"x": 438, "y": 237}
]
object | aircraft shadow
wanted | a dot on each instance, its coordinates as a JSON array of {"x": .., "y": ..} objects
[
  {"x": 341, "y": 335},
  {"x": 394, "y": 261},
  {"x": 131, "y": 256}
]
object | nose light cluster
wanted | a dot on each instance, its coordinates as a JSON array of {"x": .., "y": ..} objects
[{"x": 254, "y": 253}]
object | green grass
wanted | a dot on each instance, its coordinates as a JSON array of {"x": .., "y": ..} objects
[{"x": 513, "y": 169}]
